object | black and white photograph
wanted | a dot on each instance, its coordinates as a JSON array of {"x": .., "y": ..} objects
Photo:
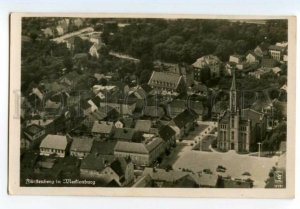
[{"x": 163, "y": 102}]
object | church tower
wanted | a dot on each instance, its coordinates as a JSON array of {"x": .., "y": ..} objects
[
  {"x": 234, "y": 115},
  {"x": 233, "y": 94}
]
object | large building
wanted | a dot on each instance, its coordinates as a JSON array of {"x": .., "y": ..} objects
[
  {"x": 166, "y": 81},
  {"x": 240, "y": 130},
  {"x": 206, "y": 67}
]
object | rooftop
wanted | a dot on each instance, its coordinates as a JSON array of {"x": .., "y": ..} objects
[{"x": 54, "y": 142}]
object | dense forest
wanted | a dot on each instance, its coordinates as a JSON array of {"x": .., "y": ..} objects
[
  {"x": 186, "y": 40},
  {"x": 176, "y": 41}
]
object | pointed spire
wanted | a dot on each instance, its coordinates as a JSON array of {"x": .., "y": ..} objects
[{"x": 233, "y": 85}]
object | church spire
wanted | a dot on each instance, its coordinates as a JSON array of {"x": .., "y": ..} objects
[
  {"x": 233, "y": 86},
  {"x": 233, "y": 94}
]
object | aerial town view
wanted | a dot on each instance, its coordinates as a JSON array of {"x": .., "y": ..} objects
[{"x": 152, "y": 102}]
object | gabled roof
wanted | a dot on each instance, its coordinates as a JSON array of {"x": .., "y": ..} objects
[
  {"x": 250, "y": 114},
  {"x": 164, "y": 79},
  {"x": 166, "y": 132},
  {"x": 82, "y": 144},
  {"x": 143, "y": 125},
  {"x": 124, "y": 133},
  {"x": 54, "y": 142},
  {"x": 33, "y": 129},
  {"x": 185, "y": 117},
  {"x": 104, "y": 127},
  {"x": 277, "y": 48},
  {"x": 140, "y": 148},
  {"x": 206, "y": 61},
  {"x": 119, "y": 166},
  {"x": 95, "y": 162},
  {"x": 154, "y": 111}
]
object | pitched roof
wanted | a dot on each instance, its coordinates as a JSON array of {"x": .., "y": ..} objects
[
  {"x": 124, "y": 133},
  {"x": 185, "y": 117},
  {"x": 95, "y": 162},
  {"x": 104, "y": 127},
  {"x": 143, "y": 125},
  {"x": 82, "y": 144},
  {"x": 54, "y": 142},
  {"x": 206, "y": 61},
  {"x": 154, "y": 111},
  {"x": 33, "y": 129},
  {"x": 119, "y": 166},
  {"x": 277, "y": 48},
  {"x": 140, "y": 148},
  {"x": 163, "y": 79},
  {"x": 250, "y": 114},
  {"x": 166, "y": 132}
]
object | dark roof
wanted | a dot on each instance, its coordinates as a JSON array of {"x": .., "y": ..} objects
[
  {"x": 95, "y": 162},
  {"x": 268, "y": 62},
  {"x": 96, "y": 100},
  {"x": 84, "y": 104},
  {"x": 33, "y": 129},
  {"x": 186, "y": 182},
  {"x": 166, "y": 132},
  {"x": 120, "y": 165},
  {"x": 124, "y": 133},
  {"x": 154, "y": 111},
  {"x": 104, "y": 148},
  {"x": 254, "y": 116},
  {"x": 82, "y": 144},
  {"x": 187, "y": 116}
]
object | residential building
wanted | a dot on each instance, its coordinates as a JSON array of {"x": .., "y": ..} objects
[
  {"x": 142, "y": 153},
  {"x": 143, "y": 126},
  {"x": 81, "y": 147},
  {"x": 54, "y": 145},
  {"x": 251, "y": 57},
  {"x": 208, "y": 62},
  {"x": 34, "y": 132},
  {"x": 168, "y": 135},
  {"x": 236, "y": 58},
  {"x": 262, "y": 49},
  {"x": 277, "y": 52},
  {"x": 103, "y": 129},
  {"x": 185, "y": 121}
]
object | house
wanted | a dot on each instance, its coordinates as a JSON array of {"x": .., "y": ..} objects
[
  {"x": 104, "y": 89},
  {"x": 236, "y": 58},
  {"x": 93, "y": 51},
  {"x": 141, "y": 153},
  {"x": 103, "y": 129},
  {"x": 120, "y": 170},
  {"x": 125, "y": 134},
  {"x": 60, "y": 30},
  {"x": 34, "y": 132},
  {"x": 106, "y": 170},
  {"x": 105, "y": 113},
  {"x": 168, "y": 134},
  {"x": 53, "y": 107},
  {"x": 93, "y": 164},
  {"x": 185, "y": 121},
  {"x": 277, "y": 52},
  {"x": 262, "y": 49},
  {"x": 123, "y": 107},
  {"x": 86, "y": 107},
  {"x": 48, "y": 32},
  {"x": 268, "y": 62},
  {"x": 177, "y": 179},
  {"x": 153, "y": 112},
  {"x": 81, "y": 147},
  {"x": 208, "y": 62},
  {"x": 176, "y": 107},
  {"x": 164, "y": 81},
  {"x": 126, "y": 122},
  {"x": 251, "y": 57},
  {"x": 143, "y": 126},
  {"x": 71, "y": 78},
  {"x": 260, "y": 72},
  {"x": 54, "y": 145}
]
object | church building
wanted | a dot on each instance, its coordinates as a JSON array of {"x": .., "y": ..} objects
[{"x": 240, "y": 130}]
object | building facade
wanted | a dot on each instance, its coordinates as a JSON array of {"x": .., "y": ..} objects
[{"x": 240, "y": 130}]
